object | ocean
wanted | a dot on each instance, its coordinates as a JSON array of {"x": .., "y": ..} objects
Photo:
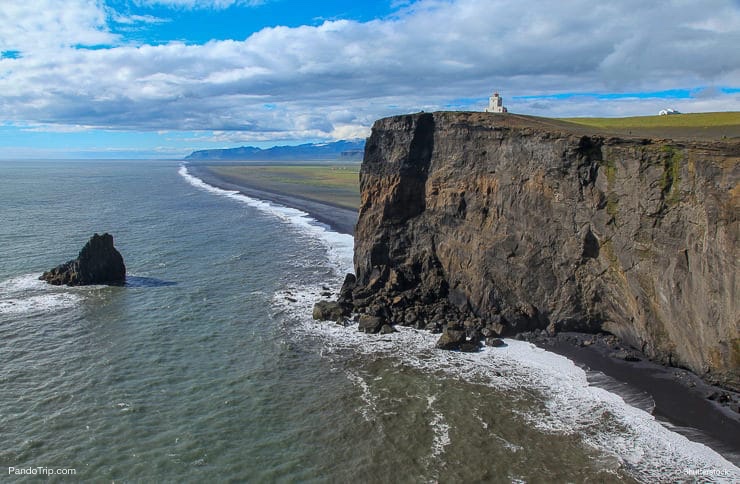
[{"x": 207, "y": 366}]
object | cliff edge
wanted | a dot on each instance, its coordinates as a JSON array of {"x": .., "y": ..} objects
[{"x": 511, "y": 223}]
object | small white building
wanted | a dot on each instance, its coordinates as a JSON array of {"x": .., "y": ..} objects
[{"x": 495, "y": 104}]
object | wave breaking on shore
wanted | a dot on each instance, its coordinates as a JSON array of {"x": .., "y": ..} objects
[{"x": 645, "y": 448}]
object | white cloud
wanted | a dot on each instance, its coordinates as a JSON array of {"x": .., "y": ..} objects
[
  {"x": 200, "y": 4},
  {"x": 44, "y": 24},
  {"x": 350, "y": 131},
  {"x": 55, "y": 128},
  {"x": 333, "y": 80},
  {"x": 135, "y": 19}
]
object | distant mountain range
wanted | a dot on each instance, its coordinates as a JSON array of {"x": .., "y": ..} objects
[{"x": 338, "y": 150}]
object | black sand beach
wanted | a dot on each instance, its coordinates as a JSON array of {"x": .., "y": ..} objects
[
  {"x": 680, "y": 397},
  {"x": 338, "y": 218}
]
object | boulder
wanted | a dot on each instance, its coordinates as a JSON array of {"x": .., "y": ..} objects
[
  {"x": 495, "y": 342},
  {"x": 370, "y": 324},
  {"x": 451, "y": 339},
  {"x": 432, "y": 328},
  {"x": 97, "y": 263},
  {"x": 498, "y": 328},
  {"x": 470, "y": 346},
  {"x": 329, "y": 311},
  {"x": 345, "y": 294},
  {"x": 411, "y": 316}
]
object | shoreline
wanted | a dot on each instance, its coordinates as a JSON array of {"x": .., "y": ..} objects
[
  {"x": 340, "y": 219},
  {"x": 679, "y": 396}
]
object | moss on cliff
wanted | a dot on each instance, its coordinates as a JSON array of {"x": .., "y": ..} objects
[{"x": 671, "y": 174}]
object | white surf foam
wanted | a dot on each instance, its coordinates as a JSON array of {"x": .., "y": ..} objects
[
  {"x": 339, "y": 246},
  {"x": 644, "y": 447},
  {"x": 647, "y": 449},
  {"x": 26, "y": 294},
  {"x": 440, "y": 428},
  {"x": 369, "y": 410}
]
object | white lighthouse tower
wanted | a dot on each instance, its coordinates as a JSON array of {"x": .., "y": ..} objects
[{"x": 495, "y": 104}]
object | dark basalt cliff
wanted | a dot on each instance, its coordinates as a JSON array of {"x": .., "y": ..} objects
[{"x": 511, "y": 223}]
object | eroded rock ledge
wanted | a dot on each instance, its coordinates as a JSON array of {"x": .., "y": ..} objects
[{"x": 493, "y": 225}]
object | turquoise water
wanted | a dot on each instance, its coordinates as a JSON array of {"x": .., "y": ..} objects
[{"x": 207, "y": 365}]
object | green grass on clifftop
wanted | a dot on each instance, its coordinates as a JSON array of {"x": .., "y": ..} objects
[
  {"x": 335, "y": 184},
  {"x": 702, "y": 125}
]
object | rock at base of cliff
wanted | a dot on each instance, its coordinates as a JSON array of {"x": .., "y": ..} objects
[
  {"x": 495, "y": 342},
  {"x": 370, "y": 324},
  {"x": 329, "y": 311},
  {"x": 345, "y": 294},
  {"x": 451, "y": 339},
  {"x": 98, "y": 263}
]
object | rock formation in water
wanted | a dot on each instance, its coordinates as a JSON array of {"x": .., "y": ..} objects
[
  {"x": 498, "y": 224},
  {"x": 98, "y": 263}
]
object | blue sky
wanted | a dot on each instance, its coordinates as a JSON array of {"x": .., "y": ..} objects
[
  {"x": 238, "y": 21},
  {"x": 160, "y": 78}
]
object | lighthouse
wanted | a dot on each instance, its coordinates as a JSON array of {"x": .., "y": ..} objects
[{"x": 495, "y": 104}]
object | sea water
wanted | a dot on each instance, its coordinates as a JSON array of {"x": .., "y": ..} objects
[{"x": 207, "y": 366}]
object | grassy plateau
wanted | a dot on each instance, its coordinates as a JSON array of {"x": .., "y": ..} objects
[
  {"x": 718, "y": 125},
  {"x": 335, "y": 184}
]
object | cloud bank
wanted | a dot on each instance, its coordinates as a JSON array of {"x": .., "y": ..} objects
[{"x": 63, "y": 65}]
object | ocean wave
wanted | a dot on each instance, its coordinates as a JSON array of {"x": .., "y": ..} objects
[
  {"x": 26, "y": 294},
  {"x": 340, "y": 247},
  {"x": 370, "y": 409},
  {"x": 440, "y": 428},
  {"x": 646, "y": 448}
]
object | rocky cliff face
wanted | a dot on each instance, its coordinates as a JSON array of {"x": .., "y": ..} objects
[{"x": 511, "y": 223}]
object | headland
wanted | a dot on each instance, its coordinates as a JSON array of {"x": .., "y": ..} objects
[{"x": 561, "y": 233}]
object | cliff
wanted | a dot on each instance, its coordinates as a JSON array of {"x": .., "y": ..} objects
[{"x": 512, "y": 223}]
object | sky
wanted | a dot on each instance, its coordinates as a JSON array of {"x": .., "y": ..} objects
[{"x": 161, "y": 78}]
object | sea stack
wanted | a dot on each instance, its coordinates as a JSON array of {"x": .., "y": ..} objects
[{"x": 98, "y": 263}]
